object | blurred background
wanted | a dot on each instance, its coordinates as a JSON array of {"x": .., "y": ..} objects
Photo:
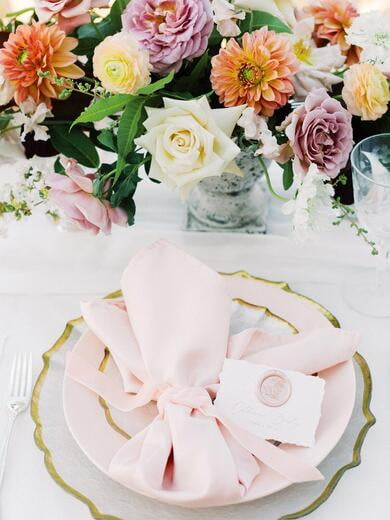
[{"x": 363, "y": 5}]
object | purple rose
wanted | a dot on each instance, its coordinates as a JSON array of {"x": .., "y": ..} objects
[
  {"x": 171, "y": 30},
  {"x": 320, "y": 132}
]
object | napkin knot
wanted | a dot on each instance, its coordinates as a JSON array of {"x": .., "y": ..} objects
[{"x": 189, "y": 396}]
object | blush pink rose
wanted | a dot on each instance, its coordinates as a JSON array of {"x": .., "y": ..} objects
[
  {"x": 171, "y": 30},
  {"x": 320, "y": 132},
  {"x": 70, "y": 13},
  {"x": 72, "y": 193}
]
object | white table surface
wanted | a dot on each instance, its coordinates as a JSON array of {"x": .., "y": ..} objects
[{"x": 44, "y": 274}]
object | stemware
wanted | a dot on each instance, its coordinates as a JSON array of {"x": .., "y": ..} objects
[{"x": 370, "y": 160}]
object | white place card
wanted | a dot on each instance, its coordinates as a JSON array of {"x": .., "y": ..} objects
[{"x": 281, "y": 405}]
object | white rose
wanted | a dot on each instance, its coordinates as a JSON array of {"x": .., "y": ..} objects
[
  {"x": 283, "y": 9},
  {"x": 7, "y": 90},
  {"x": 189, "y": 141}
]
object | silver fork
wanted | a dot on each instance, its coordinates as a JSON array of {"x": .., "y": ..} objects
[{"x": 18, "y": 400}]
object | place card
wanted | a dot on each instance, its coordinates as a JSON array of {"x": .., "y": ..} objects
[{"x": 282, "y": 405}]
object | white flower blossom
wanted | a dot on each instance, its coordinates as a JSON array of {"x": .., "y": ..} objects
[
  {"x": 11, "y": 148},
  {"x": 312, "y": 210},
  {"x": 256, "y": 129},
  {"x": 30, "y": 117},
  {"x": 371, "y": 32},
  {"x": 226, "y": 16},
  {"x": 23, "y": 190},
  {"x": 7, "y": 90},
  {"x": 317, "y": 64}
]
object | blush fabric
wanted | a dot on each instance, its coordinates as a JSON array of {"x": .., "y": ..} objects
[{"x": 169, "y": 338}]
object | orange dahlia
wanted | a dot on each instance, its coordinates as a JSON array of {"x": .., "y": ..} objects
[
  {"x": 258, "y": 73},
  {"x": 332, "y": 18},
  {"x": 34, "y": 57}
]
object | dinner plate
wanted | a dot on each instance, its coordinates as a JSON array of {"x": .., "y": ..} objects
[{"x": 103, "y": 434}]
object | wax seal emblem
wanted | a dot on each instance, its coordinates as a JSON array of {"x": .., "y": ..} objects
[{"x": 274, "y": 388}]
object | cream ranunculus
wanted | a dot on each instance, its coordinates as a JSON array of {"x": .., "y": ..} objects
[
  {"x": 366, "y": 91},
  {"x": 189, "y": 141},
  {"x": 121, "y": 64},
  {"x": 283, "y": 9}
]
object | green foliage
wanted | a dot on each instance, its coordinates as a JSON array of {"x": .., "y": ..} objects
[
  {"x": 127, "y": 131},
  {"x": 157, "y": 85},
  {"x": 256, "y": 19},
  {"x": 107, "y": 139},
  {"x": 4, "y": 120},
  {"x": 116, "y": 12},
  {"x": 102, "y": 108},
  {"x": 288, "y": 175},
  {"x": 58, "y": 168},
  {"x": 75, "y": 144}
]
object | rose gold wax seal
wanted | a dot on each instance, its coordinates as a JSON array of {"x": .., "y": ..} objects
[{"x": 274, "y": 388}]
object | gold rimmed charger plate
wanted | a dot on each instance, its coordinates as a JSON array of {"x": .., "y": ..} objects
[{"x": 367, "y": 416}]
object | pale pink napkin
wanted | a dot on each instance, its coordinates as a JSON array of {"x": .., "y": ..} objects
[{"x": 169, "y": 338}]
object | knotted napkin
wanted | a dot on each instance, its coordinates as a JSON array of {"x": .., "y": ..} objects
[{"x": 169, "y": 338}]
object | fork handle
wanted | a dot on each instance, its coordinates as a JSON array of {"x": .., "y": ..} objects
[{"x": 5, "y": 442}]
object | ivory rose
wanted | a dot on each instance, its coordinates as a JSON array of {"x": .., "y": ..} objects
[
  {"x": 366, "y": 91},
  {"x": 189, "y": 141},
  {"x": 70, "y": 13},
  {"x": 121, "y": 64}
]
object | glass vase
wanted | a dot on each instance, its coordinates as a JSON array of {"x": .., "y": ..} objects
[{"x": 230, "y": 202}]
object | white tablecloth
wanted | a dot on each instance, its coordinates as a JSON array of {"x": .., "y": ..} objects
[{"x": 44, "y": 274}]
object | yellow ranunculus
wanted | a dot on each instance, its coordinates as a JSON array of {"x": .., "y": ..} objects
[
  {"x": 366, "y": 91},
  {"x": 121, "y": 64}
]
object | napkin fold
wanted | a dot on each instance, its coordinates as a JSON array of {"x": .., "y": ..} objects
[{"x": 169, "y": 338}]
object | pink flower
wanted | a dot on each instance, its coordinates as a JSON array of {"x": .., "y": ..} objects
[
  {"x": 320, "y": 133},
  {"x": 171, "y": 30},
  {"x": 70, "y": 13},
  {"x": 72, "y": 193}
]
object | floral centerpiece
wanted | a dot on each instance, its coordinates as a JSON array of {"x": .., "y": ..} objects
[{"x": 179, "y": 88}]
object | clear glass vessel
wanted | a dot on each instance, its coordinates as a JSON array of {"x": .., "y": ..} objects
[
  {"x": 370, "y": 160},
  {"x": 229, "y": 202}
]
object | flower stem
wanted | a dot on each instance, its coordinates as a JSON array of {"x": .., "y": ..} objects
[
  {"x": 9, "y": 128},
  {"x": 348, "y": 213},
  {"x": 15, "y": 14},
  {"x": 269, "y": 184}
]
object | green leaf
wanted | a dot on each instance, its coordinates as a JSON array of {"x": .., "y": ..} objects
[
  {"x": 200, "y": 67},
  {"x": 103, "y": 107},
  {"x": 4, "y": 121},
  {"x": 261, "y": 18},
  {"x": 157, "y": 85},
  {"x": 215, "y": 38},
  {"x": 116, "y": 13},
  {"x": 86, "y": 46},
  {"x": 288, "y": 175},
  {"x": 127, "y": 131},
  {"x": 97, "y": 31},
  {"x": 58, "y": 168},
  {"x": 126, "y": 188},
  {"x": 75, "y": 144},
  {"x": 107, "y": 139}
]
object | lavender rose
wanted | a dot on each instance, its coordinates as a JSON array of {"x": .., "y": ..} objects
[
  {"x": 320, "y": 132},
  {"x": 171, "y": 30}
]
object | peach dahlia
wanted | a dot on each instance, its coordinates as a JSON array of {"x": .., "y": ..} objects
[
  {"x": 332, "y": 18},
  {"x": 33, "y": 50},
  {"x": 257, "y": 74}
]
